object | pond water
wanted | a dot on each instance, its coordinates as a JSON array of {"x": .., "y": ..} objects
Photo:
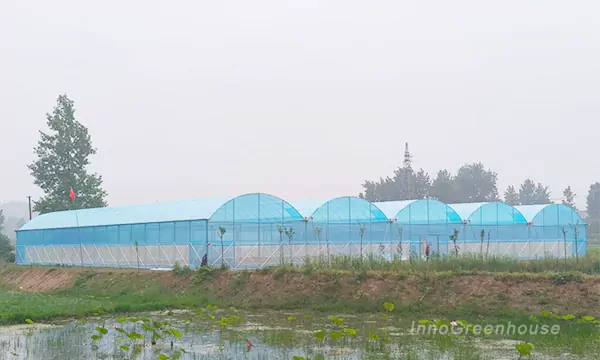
[{"x": 228, "y": 334}]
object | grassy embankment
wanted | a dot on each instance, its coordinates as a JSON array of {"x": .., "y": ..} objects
[{"x": 464, "y": 286}]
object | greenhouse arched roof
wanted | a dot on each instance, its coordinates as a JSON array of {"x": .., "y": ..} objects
[
  {"x": 129, "y": 214},
  {"x": 348, "y": 209},
  {"x": 255, "y": 208},
  {"x": 260, "y": 207},
  {"x": 550, "y": 214},
  {"x": 489, "y": 213},
  {"x": 419, "y": 212},
  {"x": 243, "y": 208}
]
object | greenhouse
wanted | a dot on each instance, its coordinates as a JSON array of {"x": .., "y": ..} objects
[
  {"x": 420, "y": 222},
  {"x": 555, "y": 230},
  {"x": 258, "y": 230},
  {"x": 348, "y": 226}
]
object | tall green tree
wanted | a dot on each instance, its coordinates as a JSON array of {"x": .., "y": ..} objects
[
  {"x": 531, "y": 193},
  {"x": 511, "y": 196},
  {"x": 542, "y": 194},
  {"x": 593, "y": 209},
  {"x": 475, "y": 183},
  {"x": 62, "y": 157},
  {"x": 527, "y": 192},
  {"x": 6, "y": 248},
  {"x": 569, "y": 197},
  {"x": 593, "y": 201},
  {"x": 422, "y": 185},
  {"x": 442, "y": 187},
  {"x": 369, "y": 188}
]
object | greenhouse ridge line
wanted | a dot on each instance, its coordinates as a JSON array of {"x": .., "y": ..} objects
[{"x": 257, "y": 207}]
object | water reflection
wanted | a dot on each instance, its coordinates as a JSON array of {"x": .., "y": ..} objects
[{"x": 259, "y": 336}]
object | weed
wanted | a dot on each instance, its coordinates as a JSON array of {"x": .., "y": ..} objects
[
  {"x": 207, "y": 273},
  {"x": 279, "y": 273},
  {"x": 240, "y": 280},
  {"x": 566, "y": 277},
  {"x": 362, "y": 275},
  {"x": 308, "y": 267},
  {"x": 182, "y": 271},
  {"x": 83, "y": 277}
]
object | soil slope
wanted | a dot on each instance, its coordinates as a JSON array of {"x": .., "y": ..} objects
[{"x": 474, "y": 293}]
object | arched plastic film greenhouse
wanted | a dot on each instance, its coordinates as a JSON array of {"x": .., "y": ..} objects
[
  {"x": 417, "y": 222},
  {"x": 258, "y": 230},
  {"x": 492, "y": 228},
  {"x": 555, "y": 230},
  {"x": 347, "y": 226}
]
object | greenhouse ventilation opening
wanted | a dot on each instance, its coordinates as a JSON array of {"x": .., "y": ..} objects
[{"x": 258, "y": 230}]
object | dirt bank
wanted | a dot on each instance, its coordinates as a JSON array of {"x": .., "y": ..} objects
[{"x": 474, "y": 293}]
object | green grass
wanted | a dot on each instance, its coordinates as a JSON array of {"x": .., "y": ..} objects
[
  {"x": 589, "y": 264},
  {"x": 87, "y": 298},
  {"x": 125, "y": 294},
  {"x": 92, "y": 297},
  {"x": 122, "y": 297}
]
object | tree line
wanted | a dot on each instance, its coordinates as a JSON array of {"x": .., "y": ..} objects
[{"x": 470, "y": 183}]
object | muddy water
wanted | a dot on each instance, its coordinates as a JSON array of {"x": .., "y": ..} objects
[{"x": 259, "y": 336}]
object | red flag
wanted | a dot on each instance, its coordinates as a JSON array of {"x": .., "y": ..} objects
[{"x": 72, "y": 193}]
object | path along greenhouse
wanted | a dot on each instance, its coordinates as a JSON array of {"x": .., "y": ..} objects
[{"x": 258, "y": 230}]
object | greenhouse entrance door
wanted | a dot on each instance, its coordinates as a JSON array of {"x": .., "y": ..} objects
[{"x": 436, "y": 245}]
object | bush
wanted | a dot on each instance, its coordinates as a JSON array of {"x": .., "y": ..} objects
[
  {"x": 182, "y": 271},
  {"x": 207, "y": 273},
  {"x": 562, "y": 278},
  {"x": 7, "y": 251}
]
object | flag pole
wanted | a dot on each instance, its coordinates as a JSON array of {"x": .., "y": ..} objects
[
  {"x": 79, "y": 238},
  {"x": 72, "y": 196}
]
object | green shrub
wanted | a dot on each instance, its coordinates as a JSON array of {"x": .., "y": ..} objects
[
  {"x": 207, "y": 273},
  {"x": 181, "y": 271}
]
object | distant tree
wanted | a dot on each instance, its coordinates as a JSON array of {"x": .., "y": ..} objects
[
  {"x": 442, "y": 187},
  {"x": 369, "y": 191},
  {"x": 383, "y": 190},
  {"x": 6, "y": 249},
  {"x": 569, "y": 197},
  {"x": 593, "y": 201},
  {"x": 531, "y": 193},
  {"x": 527, "y": 192},
  {"x": 62, "y": 157},
  {"x": 423, "y": 185},
  {"x": 511, "y": 196},
  {"x": 593, "y": 209},
  {"x": 542, "y": 194},
  {"x": 404, "y": 185},
  {"x": 475, "y": 183}
]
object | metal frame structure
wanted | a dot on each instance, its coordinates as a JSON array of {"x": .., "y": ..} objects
[{"x": 259, "y": 230}]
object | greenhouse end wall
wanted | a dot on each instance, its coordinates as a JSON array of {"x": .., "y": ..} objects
[{"x": 259, "y": 230}]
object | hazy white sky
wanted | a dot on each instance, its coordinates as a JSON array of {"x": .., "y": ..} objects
[{"x": 303, "y": 99}]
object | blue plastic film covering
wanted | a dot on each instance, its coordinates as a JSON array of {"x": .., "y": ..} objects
[{"x": 348, "y": 210}]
